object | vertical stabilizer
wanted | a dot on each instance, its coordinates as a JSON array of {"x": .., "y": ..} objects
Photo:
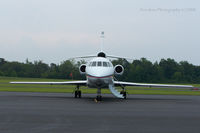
[{"x": 102, "y": 40}]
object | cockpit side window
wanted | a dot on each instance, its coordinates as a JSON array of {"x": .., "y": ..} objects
[
  {"x": 90, "y": 64},
  {"x": 99, "y": 63},
  {"x": 109, "y": 65},
  {"x": 105, "y": 64},
  {"x": 94, "y": 63}
]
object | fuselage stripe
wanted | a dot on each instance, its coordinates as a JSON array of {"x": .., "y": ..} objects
[{"x": 110, "y": 76}]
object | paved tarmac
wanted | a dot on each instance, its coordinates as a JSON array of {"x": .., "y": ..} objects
[{"x": 61, "y": 113}]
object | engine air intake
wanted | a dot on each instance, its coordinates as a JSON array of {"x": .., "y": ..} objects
[
  {"x": 82, "y": 69},
  {"x": 101, "y": 54},
  {"x": 119, "y": 69}
]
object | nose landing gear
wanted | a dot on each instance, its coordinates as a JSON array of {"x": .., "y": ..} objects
[{"x": 99, "y": 97}]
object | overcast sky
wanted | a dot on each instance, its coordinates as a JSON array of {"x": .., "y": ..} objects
[{"x": 54, "y": 30}]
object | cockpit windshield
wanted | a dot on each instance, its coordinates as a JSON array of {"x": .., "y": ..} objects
[{"x": 100, "y": 64}]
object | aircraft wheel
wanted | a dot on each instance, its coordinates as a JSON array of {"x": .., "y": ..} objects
[
  {"x": 99, "y": 98},
  {"x": 75, "y": 94},
  {"x": 123, "y": 93},
  {"x": 79, "y": 94}
]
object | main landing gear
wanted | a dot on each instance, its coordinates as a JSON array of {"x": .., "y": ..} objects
[
  {"x": 123, "y": 92},
  {"x": 77, "y": 93}
]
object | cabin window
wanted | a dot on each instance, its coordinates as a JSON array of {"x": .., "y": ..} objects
[
  {"x": 99, "y": 63},
  {"x": 105, "y": 64}
]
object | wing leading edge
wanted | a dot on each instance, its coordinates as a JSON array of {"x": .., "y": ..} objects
[
  {"x": 119, "y": 83},
  {"x": 81, "y": 82}
]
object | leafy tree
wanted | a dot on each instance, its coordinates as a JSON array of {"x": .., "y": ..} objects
[
  {"x": 169, "y": 67},
  {"x": 177, "y": 77},
  {"x": 1, "y": 73},
  {"x": 143, "y": 70}
]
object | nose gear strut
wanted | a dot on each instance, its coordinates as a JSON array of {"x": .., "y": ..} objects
[{"x": 99, "y": 97}]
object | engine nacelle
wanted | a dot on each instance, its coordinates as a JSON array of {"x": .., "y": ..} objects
[
  {"x": 119, "y": 69},
  {"x": 82, "y": 69}
]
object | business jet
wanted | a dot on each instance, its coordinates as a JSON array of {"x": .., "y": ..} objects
[{"x": 100, "y": 72}]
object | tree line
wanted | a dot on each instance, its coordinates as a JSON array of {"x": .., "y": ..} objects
[{"x": 143, "y": 70}]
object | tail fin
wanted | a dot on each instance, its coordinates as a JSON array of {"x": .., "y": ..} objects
[{"x": 102, "y": 40}]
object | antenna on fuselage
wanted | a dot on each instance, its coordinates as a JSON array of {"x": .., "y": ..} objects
[{"x": 102, "y": 40}]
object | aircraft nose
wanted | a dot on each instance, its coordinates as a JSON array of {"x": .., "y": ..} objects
[{"x": 99, "y": 73}]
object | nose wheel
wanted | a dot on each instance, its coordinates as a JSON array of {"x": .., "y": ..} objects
[{"x": 99, "y": 97}]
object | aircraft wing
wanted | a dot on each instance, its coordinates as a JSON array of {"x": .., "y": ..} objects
[
  {"x": 81, "y": 82},
  {"x": 119, "y": 83}
]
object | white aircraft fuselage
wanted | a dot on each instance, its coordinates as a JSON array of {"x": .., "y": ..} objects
[{"x": 99, "y": 75}]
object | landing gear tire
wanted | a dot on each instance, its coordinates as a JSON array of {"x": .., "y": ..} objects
[
  {"x": 124, "y": 94},
  {"x": 99, "y": 98},
  {"x": 77, "y": 94}
]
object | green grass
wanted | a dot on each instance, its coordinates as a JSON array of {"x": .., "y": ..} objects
[{"x": 5, "y": 86}]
